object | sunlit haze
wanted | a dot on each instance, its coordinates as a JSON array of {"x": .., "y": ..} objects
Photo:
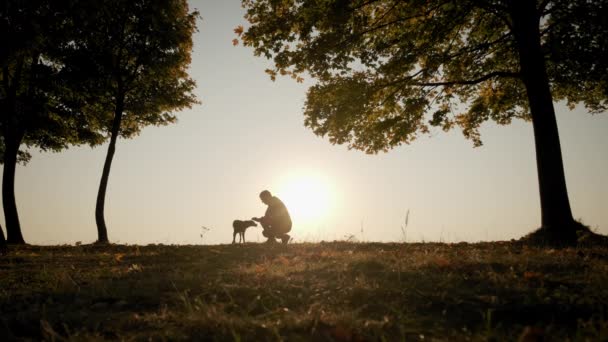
[
  {"x": 309, "y": 197},
  {"x": 248, "y": 135}
]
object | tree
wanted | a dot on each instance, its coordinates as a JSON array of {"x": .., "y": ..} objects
[
  {"x": 37, "y": 107},
  {"x": 132, "y": 57},
  {"x": 389, "y": 70}
]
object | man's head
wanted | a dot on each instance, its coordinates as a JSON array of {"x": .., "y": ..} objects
[{"x": 265, "y": 196}]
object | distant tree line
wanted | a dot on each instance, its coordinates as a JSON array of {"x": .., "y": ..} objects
[{"x": 81, "y": 72}]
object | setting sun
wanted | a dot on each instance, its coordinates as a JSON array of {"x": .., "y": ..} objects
[{"x": 308, "y": 197}]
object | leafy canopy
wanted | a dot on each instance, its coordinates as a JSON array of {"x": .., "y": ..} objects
[
  {"x": 136, "y": 53},
  {"x": 38, "y": 106},
  {"x": 390, "y": 70}
]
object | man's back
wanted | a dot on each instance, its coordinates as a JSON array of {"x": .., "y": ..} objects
[{"x": 277, "y": 210}]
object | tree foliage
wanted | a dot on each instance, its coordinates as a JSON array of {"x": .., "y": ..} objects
[
  {"x": 576, "y": 45},
  {"x": 139, "y": 50},
  {"x": 390, "y": 70},
  {"x": 36, "y": 98}
]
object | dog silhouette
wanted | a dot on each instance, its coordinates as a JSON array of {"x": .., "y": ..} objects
[{"x": 240, "y": 227}]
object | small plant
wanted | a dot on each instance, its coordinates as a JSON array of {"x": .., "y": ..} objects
[
  {"x": 362, "y": 236},
  {"x": 350, "y": 238},
  {"x": 404, "y": 227},
  {"x": 203, "y": 231}
]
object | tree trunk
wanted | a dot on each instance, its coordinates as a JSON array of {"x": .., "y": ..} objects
[
  {"x": 102, "y": 230},
  {"x": 556, "y": 215},
  {"x": 2, "y": 240},
  {"x": 13, "y": 228}
]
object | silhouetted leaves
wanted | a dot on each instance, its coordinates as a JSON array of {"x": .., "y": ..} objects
[
  {"x": 138, "y": 51},
  {"x": 239, "y": 30},
  {"x": 390, "y": 70}
]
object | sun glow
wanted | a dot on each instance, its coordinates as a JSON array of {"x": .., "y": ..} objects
[{"x": 308, "y": 198}]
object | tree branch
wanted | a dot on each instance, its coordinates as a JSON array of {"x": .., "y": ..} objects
[
  {"x": 363, "y": 5},
  {"x": 402, "y": 80},
  {"x": 542, "y": 6},
  {"x": 16, "y": 76},
  {"x": 385, "y": 13},
  {"x": 5, "y": 79},
  {"x": 495, "y": 74},
  {"x": 33, "y": 66},
  {"x": 381, "y": 26},
  {"x": 494, "y": 9},
  {"x": 479, "y": 47}
]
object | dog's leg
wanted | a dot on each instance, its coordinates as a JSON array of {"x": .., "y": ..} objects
[
  {"x": 243, "y": 236},
  {"x": 233, "y": 236}
]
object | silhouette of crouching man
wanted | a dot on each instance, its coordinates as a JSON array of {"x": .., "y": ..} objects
[{"x": 276, "y": 221}]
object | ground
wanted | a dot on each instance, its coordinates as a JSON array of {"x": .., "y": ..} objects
[{"x": 339, "y": 291}]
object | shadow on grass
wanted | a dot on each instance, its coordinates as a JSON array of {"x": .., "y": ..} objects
[{"x": 328, "y": 291}]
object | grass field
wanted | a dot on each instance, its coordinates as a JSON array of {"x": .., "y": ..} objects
[{"x": 335, "y": 291}]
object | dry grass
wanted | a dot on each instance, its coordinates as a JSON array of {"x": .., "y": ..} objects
[{"x": 328, "y": 291}]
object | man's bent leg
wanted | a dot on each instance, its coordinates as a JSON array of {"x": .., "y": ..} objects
[
  {"x": 269, "y": 232},
  {"x": 282, "y": 231}
]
